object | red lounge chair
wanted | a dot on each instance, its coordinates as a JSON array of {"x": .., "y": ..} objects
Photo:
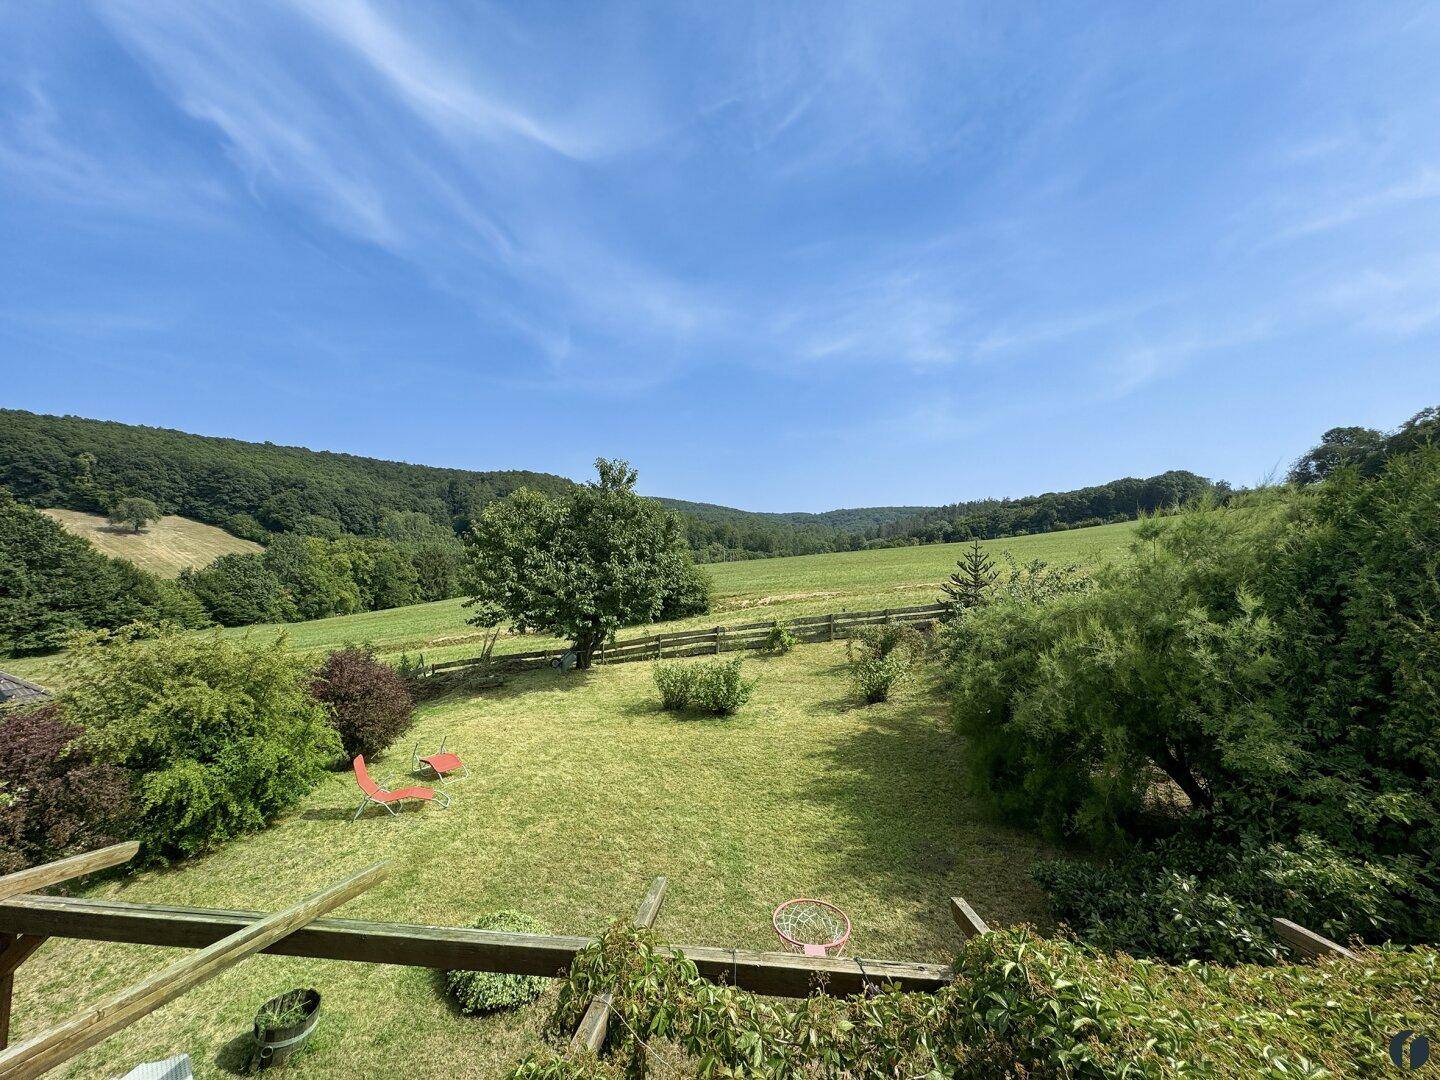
[
  {"x": 440, "y": 763},
  {"x": 381, "y": 796}
]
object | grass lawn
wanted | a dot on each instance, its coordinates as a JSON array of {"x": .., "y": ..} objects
[
  {"x": 165, "y": 547},
  {"x": 581, "y": 791}
]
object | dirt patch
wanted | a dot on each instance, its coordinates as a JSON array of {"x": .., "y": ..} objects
[{"x": 782, "y": 598}]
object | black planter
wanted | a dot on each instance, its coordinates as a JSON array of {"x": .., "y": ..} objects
[{"x": 274, "y": 1045}]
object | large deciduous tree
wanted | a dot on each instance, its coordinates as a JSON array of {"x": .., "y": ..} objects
[
  {"x": 134, "y": 513},
  {"x": 583, "y": 565}
]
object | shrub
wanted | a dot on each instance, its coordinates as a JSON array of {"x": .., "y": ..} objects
[
  {"x": 875, "y": 677},
  {"x": 881, "y": 656},
  {"x": 477, "y": 992},
  {"x": 411, "y": 668},
  {"x": 218, "y": 736},
  {"x": 1020, "y": 1005},
  {"x": 1267, "y": 672},
  {"x": 368, "y": 702},
  {"x": 780, "y": 640},
  {"x": 54, "y": 800},
  {"x": 719, "y": 688},
  {"x": 675, "y": 682},
  {"x": 716, "y": 688}
]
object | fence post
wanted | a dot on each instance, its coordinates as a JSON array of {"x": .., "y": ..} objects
[
  {"x": 832, "y": 626},
  {"x": 718, "y": 629}
]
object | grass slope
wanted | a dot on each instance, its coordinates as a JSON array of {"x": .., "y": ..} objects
[
  {"x": 581, "y": 791},
  {"x": 165, "y": 548}
]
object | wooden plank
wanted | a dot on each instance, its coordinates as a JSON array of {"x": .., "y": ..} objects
[
  {"x": 52, "y": 873},
  {"x": 324, "y": 939},
  {"x": 440, "y": 947},
  {"x": 98, "y": 1022},
  {"x": 15, "y": 949},
  {"x": 1307, "y": 942},
  {"x": 595, "y": 1024},
  {"x": 971, "y": 924}
]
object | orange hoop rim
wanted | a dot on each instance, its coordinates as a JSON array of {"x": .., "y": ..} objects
[{"x": 835, "y": 943}]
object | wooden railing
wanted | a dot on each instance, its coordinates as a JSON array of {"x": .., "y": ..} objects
[{"x": 716, "y": 639}]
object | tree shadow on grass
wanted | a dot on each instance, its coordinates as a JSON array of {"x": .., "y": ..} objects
[
  {"x": 514, "y": 686},
  {"x": 914, "y": 831}
]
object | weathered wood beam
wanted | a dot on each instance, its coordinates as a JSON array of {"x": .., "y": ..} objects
[
  {"x": 971, "y": 924},
  {"x": 97, "y": 1022},
  {"x": 1307, "y": 942},
  {"x": 52, "y": 873},
  {"x": 15, "y": 949},
  {"x": 595, "y": 1024},
  {"x": 442, "y": 947}
]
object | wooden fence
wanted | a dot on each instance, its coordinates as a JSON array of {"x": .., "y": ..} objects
[{"x": 716, "y": 639}]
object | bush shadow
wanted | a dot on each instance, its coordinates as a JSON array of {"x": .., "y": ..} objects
[{"x": 915, "y": 831}]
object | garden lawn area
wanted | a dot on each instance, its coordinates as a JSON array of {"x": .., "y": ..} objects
[{"x": 581, "y": 791}]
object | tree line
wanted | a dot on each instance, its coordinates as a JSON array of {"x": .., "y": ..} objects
[{"x": 987, "y": 519}]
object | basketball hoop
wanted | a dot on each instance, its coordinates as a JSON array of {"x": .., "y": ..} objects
[{"x": 812, "y": 927}]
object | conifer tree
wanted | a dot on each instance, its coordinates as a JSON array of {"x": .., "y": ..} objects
[{"x": 974, "y": 573}]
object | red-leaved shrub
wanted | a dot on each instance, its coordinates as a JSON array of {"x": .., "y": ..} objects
[
  {"x": 369, "y": 703},
  {"x": 54, "y": 801}
]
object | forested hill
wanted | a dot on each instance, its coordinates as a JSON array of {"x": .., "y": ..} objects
[
  {"x": 718, "y": 533},
  {"x": 254, "y": 490},
  {"x": 244, "y": 487},
  {"x": 1119, "y": 500}
]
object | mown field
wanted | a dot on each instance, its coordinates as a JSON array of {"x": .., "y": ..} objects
[
  {"x": 744, "y": 592},
  {"x": 165, "y": 547},
  {"x": 582, "y": 790}
]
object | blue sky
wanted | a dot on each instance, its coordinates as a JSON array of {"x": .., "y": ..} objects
[{"x": 780, "y": 256}]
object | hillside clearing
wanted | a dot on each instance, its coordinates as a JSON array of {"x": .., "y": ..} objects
[
  {"x": 165, "y": 547},
  {"x": 581, "y": 791}
]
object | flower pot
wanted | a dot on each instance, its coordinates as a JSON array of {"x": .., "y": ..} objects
[{"x": 274, "y": 1044}]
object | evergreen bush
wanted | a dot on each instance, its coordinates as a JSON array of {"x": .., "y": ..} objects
[{"x": 217, "y": 736}]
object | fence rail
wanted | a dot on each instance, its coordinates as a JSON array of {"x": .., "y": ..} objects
[{"x": 717, "y": 639}]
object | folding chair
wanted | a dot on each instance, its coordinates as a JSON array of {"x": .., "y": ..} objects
[
  {"x": 440, "y": 763},
  {"x": 383, "y": 796}
]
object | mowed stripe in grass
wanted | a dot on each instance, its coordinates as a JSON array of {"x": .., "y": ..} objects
[{"x": 582, "y": 790}]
